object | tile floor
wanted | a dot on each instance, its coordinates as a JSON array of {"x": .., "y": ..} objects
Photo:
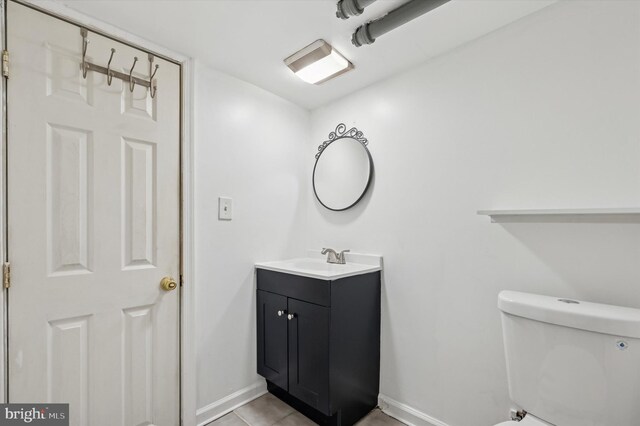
[{"x": 270, "y": 411}]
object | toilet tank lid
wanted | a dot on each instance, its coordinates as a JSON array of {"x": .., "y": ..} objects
[{"x": 596, "y": 317}]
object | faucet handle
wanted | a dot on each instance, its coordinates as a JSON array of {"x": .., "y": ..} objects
[{"x": 341, "y": 258}]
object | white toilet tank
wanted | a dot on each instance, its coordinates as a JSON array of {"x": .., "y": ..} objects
[{"x": 572, "y": 363}]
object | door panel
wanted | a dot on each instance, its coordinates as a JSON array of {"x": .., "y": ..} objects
[
  {"x": 272, "y": 338},
  {"x": 93, "y": 226},
  {"x": 309, "y": 354}
]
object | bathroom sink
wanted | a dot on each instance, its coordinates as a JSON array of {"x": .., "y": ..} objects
[{"x": 316, "y": 266}]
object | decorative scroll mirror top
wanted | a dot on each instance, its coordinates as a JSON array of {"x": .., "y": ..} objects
[
  {"x": 86, "y": 66},
  {"x": 343, "y": 169}
]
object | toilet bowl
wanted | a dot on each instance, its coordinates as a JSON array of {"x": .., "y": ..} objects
[{"x": 528, "y": 420}]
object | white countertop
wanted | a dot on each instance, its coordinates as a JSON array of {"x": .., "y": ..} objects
[{"x": 316, "y": 266}]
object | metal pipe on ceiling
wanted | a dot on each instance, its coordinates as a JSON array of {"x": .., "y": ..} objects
[
  {"x": 348, "y": 8},
  {"x": 369, "y": 32}
]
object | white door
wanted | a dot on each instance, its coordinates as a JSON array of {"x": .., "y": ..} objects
[{"x": 93, "y": 227}]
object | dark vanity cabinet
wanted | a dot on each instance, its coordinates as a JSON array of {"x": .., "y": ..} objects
[{"x": 319, "y": 343}]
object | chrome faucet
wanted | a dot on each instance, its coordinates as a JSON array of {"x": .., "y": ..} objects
[{"x": 334, "y": 257}]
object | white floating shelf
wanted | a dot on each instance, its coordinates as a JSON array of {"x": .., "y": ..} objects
[
  {"x": 601, "y": 212},
  {"x": 556, "y": 212}
]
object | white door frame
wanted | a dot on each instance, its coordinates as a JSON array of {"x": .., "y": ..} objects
[{"x": 187, "y": 318}]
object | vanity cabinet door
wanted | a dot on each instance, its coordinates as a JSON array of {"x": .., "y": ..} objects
[
  {"x": 272, "y": 337},
  {"x": 309, "y": 353}
]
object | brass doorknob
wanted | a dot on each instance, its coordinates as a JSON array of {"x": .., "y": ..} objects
[{"x": 168, "y": 284}]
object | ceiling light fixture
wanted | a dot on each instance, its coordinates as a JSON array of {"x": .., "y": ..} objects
[{"x": 318, "y": 62}]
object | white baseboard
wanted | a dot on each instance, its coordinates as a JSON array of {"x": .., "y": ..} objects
[
  {"x": 406, "y": 414},
  {"x": 229, "y": 403}
]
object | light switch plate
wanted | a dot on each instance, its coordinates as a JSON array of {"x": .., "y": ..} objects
[{"x": 225, "y": 208}]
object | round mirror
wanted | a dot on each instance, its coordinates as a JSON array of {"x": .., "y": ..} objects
[{"x": 343, "y": 169}]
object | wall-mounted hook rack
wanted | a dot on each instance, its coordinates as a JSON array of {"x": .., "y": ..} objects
[{"x": 129, "y": 78}]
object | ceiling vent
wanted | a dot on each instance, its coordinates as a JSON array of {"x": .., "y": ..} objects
[{"x": 318, "y": 62}]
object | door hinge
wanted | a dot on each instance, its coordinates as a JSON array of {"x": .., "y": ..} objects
[
  {"x": 5, "y": 63},
  {"x": 6, "y": 275}
]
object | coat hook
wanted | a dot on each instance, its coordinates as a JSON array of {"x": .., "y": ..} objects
[
  {"x": 132, "y": 83},
  {"x": 109, "y": 72},
  {"x": 153, "y": 87},
  {"x": 85, "y": 44}
]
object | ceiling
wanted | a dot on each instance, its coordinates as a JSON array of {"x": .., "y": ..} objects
[{"x": 250, "y": 38}]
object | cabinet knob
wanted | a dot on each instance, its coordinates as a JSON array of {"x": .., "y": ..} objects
[
  {"x": 280, "y": 313},
  {"x": 291, "y": 316}
]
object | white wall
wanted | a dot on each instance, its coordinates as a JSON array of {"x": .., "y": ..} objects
[
  {"x": 248, "y": 146},
  {"x": 543, "y": 113}
]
